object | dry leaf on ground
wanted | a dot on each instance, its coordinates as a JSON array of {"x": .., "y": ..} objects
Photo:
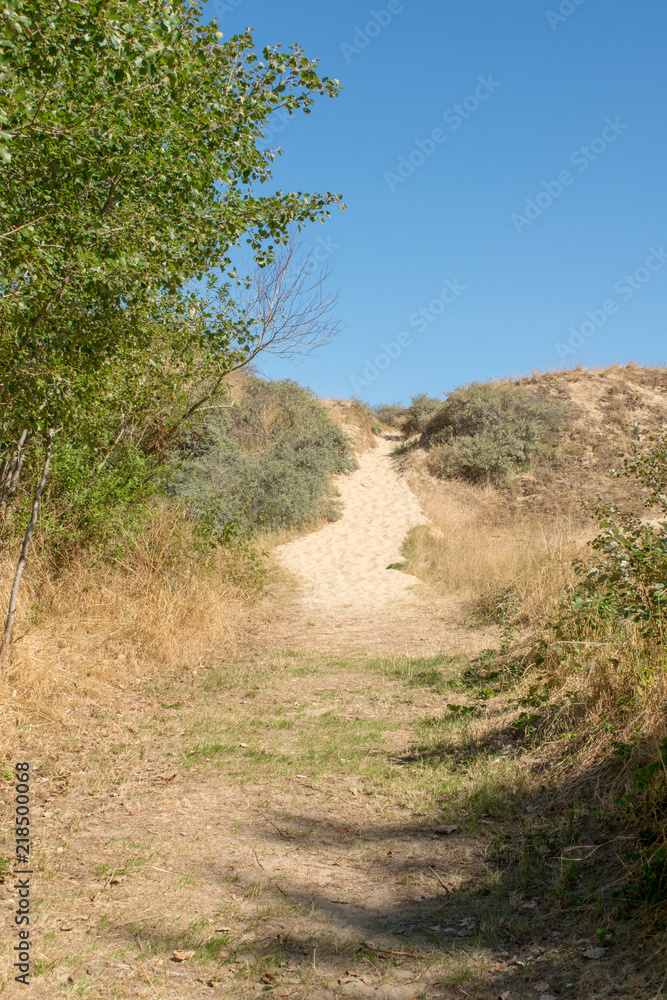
[{"x": 182, "y": 956}]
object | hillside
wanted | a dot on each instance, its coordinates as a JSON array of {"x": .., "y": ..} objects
[
  {"x": 352, "y": 735},
  {"x": 507, "y": 541},
  {"x": 606, "y": 412}
]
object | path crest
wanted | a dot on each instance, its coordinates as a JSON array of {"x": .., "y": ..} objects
[{"x": 346, "y": 562}]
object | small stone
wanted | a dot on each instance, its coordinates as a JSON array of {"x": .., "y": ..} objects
[{"x": 595, "y": 953}]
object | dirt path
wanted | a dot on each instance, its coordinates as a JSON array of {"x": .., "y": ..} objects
[
  {"x": 294, "y": 827},
  {"x": 297, "y": 823},
  {"x": 348, "y": 596}
]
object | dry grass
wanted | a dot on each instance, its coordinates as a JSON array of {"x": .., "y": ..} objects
[
  {"x": 89, "y": 628},
  {"x": 358, "y": 422},
  {"x": 608, "y": 690},
  {"x": 489, "y": 554}
]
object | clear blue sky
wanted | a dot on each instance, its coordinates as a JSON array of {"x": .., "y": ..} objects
[{"x": 553, "y": 83}]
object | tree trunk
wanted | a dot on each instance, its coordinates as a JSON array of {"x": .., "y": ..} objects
[
  {"x": 27, "y": 538},
  {"x": 11, "y": 470}
]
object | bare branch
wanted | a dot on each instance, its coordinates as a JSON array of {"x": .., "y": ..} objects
[{"x": 287, "y": 307}]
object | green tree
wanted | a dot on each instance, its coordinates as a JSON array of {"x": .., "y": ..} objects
[{"x": 132, "y": 139}]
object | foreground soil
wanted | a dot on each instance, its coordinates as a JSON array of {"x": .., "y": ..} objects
[{"x": 279, "y": 832}]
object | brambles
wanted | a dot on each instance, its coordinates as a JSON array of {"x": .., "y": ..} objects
[{"x": 628, "y": 582}]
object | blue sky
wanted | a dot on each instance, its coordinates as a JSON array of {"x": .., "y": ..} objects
[{"x": 525, "y": 227}]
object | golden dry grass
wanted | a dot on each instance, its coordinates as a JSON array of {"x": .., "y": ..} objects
[
  {"x": 482, "y": 550},
  {"x": 89, "y": 627}
]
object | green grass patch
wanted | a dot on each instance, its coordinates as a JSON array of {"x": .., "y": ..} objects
[{"x": 434, "y": 673}]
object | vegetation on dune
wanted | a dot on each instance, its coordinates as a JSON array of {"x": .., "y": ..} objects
[
  {"x": 410, "y": 419},
  {"x": 485, "y": 431},
  {"x": 578, "y": 583},
  {"x": 419, "y": 413},
  {"x": 266, "y": 461},
  {"x": 391, "y": 414}
]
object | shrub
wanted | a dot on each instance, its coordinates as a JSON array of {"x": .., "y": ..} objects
[
  {"x": 484, "y": 431},
  {"x": 627, "y": 583},
  {"x": 422, "y": 408},
  {"x": 266, "y": 461},
  {"x": 87, "y": 499},
  {"x": 391, "y": 414}
]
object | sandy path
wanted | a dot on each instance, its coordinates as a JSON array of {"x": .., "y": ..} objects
[
  {"x": 345, "y": 563},
  {"x": 347, "y": 599}
]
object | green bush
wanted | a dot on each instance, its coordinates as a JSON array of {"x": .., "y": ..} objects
[
  {"x": 391, "y": 414},
  {"x": 627, "y": 582},
  {"x": 86, "y": 497},
  {"x": 266, "y": 461},
  {"x": 484, "y": 431},
  {"x": 422, "y": 409}
]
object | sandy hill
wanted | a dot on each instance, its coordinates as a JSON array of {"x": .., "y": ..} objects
[{"x": 609, "y": 411}]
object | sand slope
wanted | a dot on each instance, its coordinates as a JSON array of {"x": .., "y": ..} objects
[
  {"x": 345, "y": 563},
  {"x": 346, "y": 599}
]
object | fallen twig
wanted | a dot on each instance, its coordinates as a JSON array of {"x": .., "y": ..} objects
[
  {"x": 388, "y": 951},
  {"x": 439, "y": 879}
]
